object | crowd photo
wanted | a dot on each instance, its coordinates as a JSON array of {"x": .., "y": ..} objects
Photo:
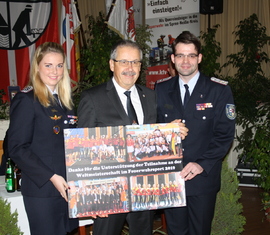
[{"x": 98, "y": 197}]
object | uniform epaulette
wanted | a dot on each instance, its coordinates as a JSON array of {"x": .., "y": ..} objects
[
  {"x": 222, "y": 82},
  {"x": 27, "y": 89},
  {"x": 163, "y": 79}
]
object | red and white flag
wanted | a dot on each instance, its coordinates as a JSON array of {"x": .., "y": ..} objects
[
  {"x": 23, "y": 27},
  {"x": 121, "y": 19},
  {"x": 70, "y": 24}
]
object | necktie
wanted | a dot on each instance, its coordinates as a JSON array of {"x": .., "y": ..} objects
[
  {"x": 130, "y": 109},
  {"x": 187, "y": 96},
  {"x": 57, "y": 99}
]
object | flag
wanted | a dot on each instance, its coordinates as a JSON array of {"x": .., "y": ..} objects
[
  {"x": 172, "y": 147},
  {"x": 69, "y": 26},
  {"x": 121, "y": 19},
  {"x": 39, "y": 23}
]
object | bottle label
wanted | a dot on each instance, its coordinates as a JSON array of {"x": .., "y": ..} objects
[
  {"x": 9, "y": 170},
  {"x": 9, "y": 185}
]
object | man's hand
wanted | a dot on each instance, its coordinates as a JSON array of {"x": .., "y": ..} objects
[
  {"x": 191, "y": 170},
  {"x": 182, "y": 128}
]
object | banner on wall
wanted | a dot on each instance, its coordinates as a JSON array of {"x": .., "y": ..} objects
[
  {"x": 24, "y": 25},
  {"x": 124, "y": 168},
  {"x": 167, "y": 19},
  {"x": 70, "y": 24}
]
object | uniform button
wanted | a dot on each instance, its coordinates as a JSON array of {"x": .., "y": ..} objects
[
  {"x": 65, "y": 122},
  {"x": 203, "y": 117},
  {"x": 184, "y": 121}
]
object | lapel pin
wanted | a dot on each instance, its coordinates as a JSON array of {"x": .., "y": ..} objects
[
  {"x": 55, "y": 117},
  {"x": 56, "y": 129}
]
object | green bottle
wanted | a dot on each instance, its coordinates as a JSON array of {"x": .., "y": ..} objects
[{"x": 10, "y": 179}]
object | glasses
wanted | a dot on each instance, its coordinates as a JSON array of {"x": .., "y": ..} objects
[
  {"x": 126, "y": 63},
  {"x": 189, "y": 56}
]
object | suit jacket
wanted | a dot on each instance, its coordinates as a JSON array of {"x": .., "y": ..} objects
[
  {"x": 209, "y": 115},
  {"x": 101, "y": 106},
  {"x": 36, "y": 143}
]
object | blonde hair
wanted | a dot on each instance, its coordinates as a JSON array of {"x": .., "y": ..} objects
[{"x": 40, "y": 90}]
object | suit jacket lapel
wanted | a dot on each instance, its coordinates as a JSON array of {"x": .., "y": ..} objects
[
  {"x": 197, "y": 94},
  {"x": 175, "y": 94},
  {"x": 58, "y": 110},
  {"x": 116, "y": 102},
  {"x": 145, "y": 108}
]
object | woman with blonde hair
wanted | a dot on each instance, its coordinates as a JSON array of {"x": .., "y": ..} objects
[{"x": 38, "y": 115}]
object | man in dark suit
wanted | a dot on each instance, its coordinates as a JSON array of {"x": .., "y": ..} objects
[
  {"x": 207, "y": 108},
  {"x": 105, "y": 105}
]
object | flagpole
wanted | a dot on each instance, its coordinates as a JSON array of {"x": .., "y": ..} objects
[
  {"x": 81, "y": 26},
  {"x": 110, "y": 11}
]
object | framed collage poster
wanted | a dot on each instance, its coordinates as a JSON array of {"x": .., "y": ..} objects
[{"x": 124, "y": 168}]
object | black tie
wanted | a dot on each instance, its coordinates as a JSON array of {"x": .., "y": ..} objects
[
  {"x": 130, "y": 109},
  {"x": 187, "y": 96},
  {"x": 57, "y": 99}
]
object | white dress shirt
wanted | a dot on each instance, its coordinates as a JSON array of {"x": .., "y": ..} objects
[{"x": 135, "y": 99}]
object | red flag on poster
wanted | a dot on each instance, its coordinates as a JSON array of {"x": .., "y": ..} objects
[
  {"x": 172, "y": 147},
  {"x": 121, "y": 19},
  {"x": 24, "y": 26},
  {"x": 70, "y": 24}
]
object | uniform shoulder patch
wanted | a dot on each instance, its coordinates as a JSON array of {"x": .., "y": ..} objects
[
  {"x": 222, "y": 82},
  {"x": 230, "y": 111},
  {"x": 27, "y": 89}
]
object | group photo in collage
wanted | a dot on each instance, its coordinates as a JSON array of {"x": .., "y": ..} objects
[
  {"x": 95, "y": 146},
  {"x": 98, "y": 197},
  {"x": 160, "y": 141},
  {"x": 111, "y": 195},
  {"x": 157, "y": 191},
  {"x": 108, "y": 145}
]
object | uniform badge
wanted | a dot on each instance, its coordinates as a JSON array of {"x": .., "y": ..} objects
[
  {"x": 55, "y": 117},
  {"x": 204, "y": 106},
  {"x": 72, "y": 119},
  {"x": 230, "y": 111},
  {"x": 56, "y": 129}
]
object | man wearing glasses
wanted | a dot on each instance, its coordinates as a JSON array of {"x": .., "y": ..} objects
[
  {"x": 121, "y": 102},
  {"x": 206, "y": 106}
]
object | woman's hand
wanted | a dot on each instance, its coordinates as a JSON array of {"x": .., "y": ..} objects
[{"x": 60, "y": 184}]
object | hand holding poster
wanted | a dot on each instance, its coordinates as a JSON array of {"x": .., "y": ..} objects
[{"x": 125, "y": 168}]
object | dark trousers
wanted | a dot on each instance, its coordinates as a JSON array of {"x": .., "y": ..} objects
[
  {"x": 140, "y": 223},
  {"x": 193, "y": 219},
  {"x": 48, "y": 216}
]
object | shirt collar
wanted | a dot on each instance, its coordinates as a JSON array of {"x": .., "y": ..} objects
[
  {"x": 119, "y": 89},
  {"x": 192, "y": 82},
  {"x": 52, "y": 92}
]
